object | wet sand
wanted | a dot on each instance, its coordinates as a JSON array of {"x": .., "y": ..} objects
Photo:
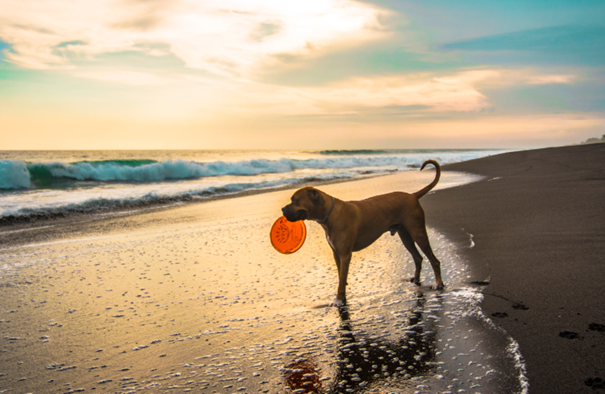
[
  {"x": 537, "y": 223},
  {"x": 194, "y": 298}
]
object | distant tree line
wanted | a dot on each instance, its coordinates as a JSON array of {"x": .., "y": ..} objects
[{"x": 595, "y": 140}]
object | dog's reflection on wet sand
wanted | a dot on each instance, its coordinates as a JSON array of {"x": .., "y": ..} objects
[{"x": 365, "y": 361}]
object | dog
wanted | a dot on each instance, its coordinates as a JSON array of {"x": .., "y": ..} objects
[{"x": 351, "y": 226}]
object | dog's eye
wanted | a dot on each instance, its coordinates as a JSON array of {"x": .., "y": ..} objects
[{"x": 293, "y": 201}]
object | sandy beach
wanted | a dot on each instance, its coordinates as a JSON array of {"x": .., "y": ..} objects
[
  {"x": 194, "y": 298},
  {"x": 537, "y": 227}
]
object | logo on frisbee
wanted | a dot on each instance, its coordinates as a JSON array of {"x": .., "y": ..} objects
[{"x": 287, "y": 237}]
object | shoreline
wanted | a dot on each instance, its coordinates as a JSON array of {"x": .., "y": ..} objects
[
  {"x": 169, "y": 202},
  {"x": 12, "y": 228},
  {"x": 533, "y": 229}
]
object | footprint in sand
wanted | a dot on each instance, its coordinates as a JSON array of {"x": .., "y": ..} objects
[
  {"x": 595, "y": 383},
  {"x": 500, "y": 314},
  {"x": 520, "y": 305},
  {"x": 569, "y": 335},
  {"x": 596, "y": 327}
]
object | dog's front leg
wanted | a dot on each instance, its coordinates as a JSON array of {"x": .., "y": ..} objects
[
  {"x": 343, "y": 273},
  {"x": 337, "y": 260}
]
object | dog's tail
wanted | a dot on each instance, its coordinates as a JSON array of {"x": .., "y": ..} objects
[{"x": 430, "y": 186}]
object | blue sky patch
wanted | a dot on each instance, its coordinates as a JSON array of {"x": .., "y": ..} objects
[
  {"x": 3, "y": 46},
  {"x": 67, "y": 43},
  {"x": 558, "y": 44}
]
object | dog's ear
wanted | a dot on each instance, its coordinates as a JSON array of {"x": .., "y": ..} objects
[{"x": 315, "y": 197}]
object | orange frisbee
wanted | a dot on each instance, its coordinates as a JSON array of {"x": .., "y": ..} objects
[{"x": 287, "y": 237}]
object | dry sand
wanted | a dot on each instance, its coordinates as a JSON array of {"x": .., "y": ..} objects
[{"x": 194, "y": 298}]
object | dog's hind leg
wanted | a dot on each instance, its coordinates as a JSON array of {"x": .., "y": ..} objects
[
  {"x": 408, "y": 242},
  {"x": 422, "y": 240}
]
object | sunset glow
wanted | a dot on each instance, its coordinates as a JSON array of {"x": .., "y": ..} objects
[{"x": 135, "y": 74}]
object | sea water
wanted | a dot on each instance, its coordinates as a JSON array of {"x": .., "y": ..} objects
[{"x": 58, "y": 182}]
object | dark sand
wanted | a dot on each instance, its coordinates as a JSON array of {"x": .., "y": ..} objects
[{"x": 538, "y": 224}]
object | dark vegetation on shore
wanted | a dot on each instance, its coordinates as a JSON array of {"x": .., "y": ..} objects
[{"x": 595, "y": 140}]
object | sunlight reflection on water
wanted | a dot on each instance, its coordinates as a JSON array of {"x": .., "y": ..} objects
[{"x": 212, "y": 309}]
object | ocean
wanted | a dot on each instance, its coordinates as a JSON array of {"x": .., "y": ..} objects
[{"x": 51, "y": 183}]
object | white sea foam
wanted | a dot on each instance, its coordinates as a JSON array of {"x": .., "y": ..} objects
[
  {"x": 50, "y": 202},
  {"x": 471, "y": 299}
]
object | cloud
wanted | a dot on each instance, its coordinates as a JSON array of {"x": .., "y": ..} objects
[
  {"x": 505, "y": 77},
  {"x": 461, "y": 91},
  {"x": 445, "y": 93},
  {"x": 124, "y": 77},
  {"x": 226, "y": 37},
  {"x": 448, "y": 93},
  {"x": 266, "y": 29},
  {"x": 551, "y": 79}
]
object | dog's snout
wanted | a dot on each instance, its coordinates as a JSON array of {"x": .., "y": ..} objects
[
  {"x": 287, "y": 212},
  {"x": 292, "y": 214}
]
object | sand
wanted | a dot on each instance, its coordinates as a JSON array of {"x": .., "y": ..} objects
[
  {"x": 537, "y": 223},
  {"x": 194, "y": 298}
]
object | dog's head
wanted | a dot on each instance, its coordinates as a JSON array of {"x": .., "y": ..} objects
[{"x": 307, "y": 203}]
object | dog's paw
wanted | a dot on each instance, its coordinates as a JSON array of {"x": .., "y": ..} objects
[
  {"x": 439, "y": 286},
  {"x": 336, "y": 303},
  {"x": 415, "y": 281}
]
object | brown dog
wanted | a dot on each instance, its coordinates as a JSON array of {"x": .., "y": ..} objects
[{"x": 354, "y": 225}]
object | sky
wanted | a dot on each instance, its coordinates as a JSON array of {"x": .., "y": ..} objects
[{"x": 317, "y": 74}]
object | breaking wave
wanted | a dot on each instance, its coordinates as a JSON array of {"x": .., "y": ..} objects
[
  {"x": 18, "y": 175},
  {"x": 82, "y": 204},
  {"x": 57, "y": 187},
  {"x": 13, "y": 175}
]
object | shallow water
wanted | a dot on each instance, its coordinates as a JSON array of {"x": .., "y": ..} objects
[{"x": 211, "y": 307}]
